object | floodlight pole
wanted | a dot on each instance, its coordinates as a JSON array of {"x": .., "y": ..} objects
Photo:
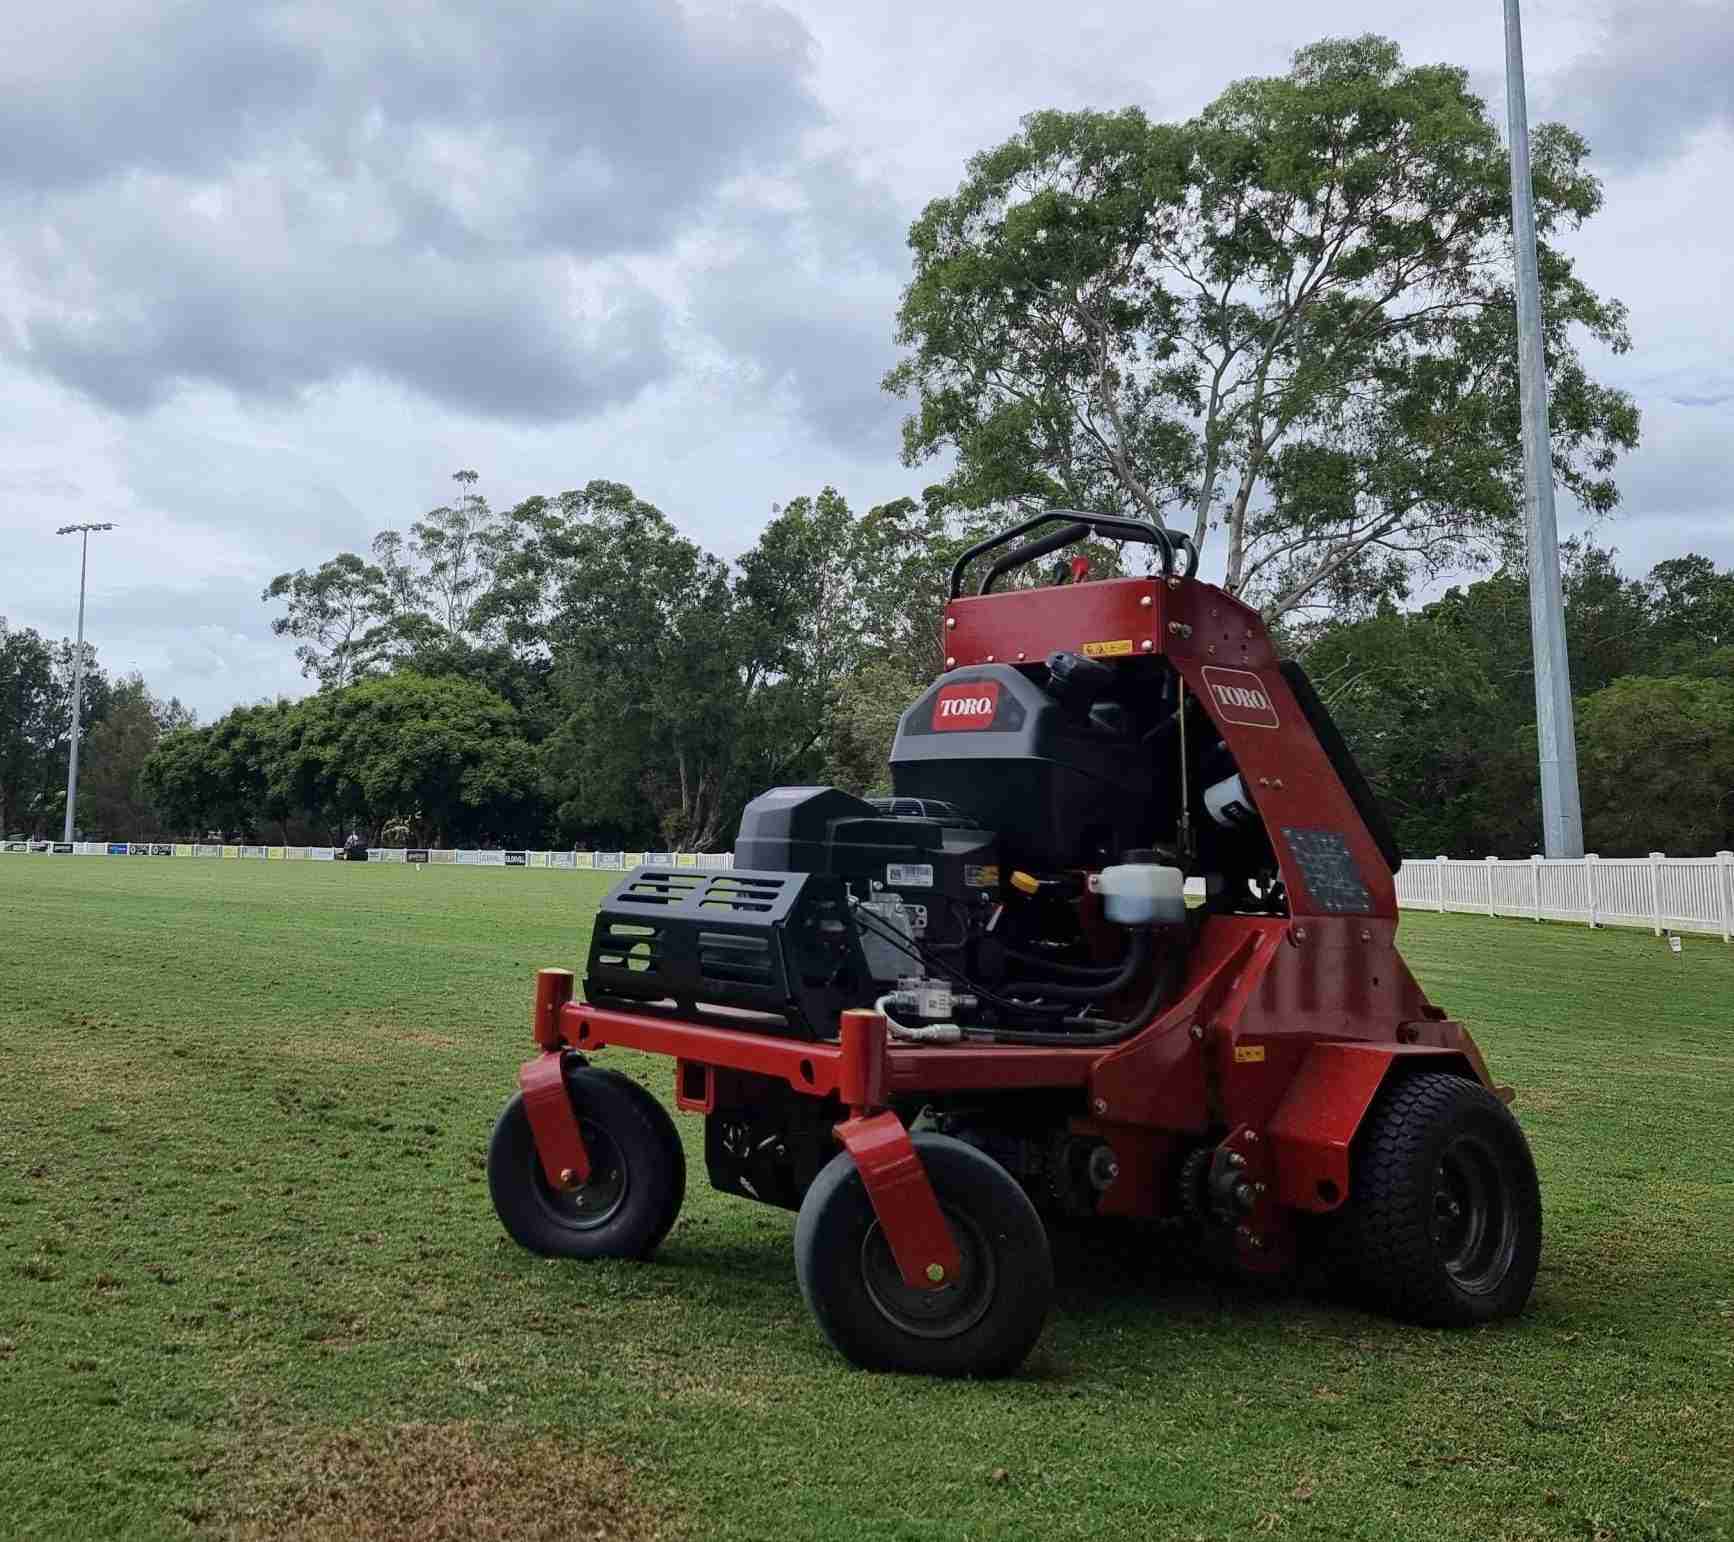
[
  {"x": 1556, "y": 736},
  {"x": 83, "y": 533}
]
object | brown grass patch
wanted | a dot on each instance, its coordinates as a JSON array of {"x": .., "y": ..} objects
[{"x": 448, "y": 1483}]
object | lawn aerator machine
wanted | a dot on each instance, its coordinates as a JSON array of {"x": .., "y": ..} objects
[{"x": 926, "y": 1021}]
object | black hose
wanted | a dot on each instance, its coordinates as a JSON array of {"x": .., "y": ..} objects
[
  {"x": 1093, "y": 1032},
  {"x": 1063, "y": 971},
  {"x": 1137, "y": 955}
]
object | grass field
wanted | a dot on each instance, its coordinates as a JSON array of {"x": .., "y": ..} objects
[{"x": 250, "y": 1282}]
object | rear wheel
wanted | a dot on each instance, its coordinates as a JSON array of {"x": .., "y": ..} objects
[
  {"x": 1443, "y": 1225},
  {"x": 982, "y": 1323},
  {"x": 637, "y": 1174}
]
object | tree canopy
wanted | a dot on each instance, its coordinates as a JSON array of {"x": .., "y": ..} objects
[{"x": 1289, "y": 320}]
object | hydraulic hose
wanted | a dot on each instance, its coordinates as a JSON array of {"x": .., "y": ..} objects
[
  {"x": 1092, "y": 1032},
  {"x": 1061, "y": 970},
  {"x": 1137, "y": 955}
]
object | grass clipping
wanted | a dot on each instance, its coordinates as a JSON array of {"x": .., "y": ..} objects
[{"x": 450, "y": 1483}]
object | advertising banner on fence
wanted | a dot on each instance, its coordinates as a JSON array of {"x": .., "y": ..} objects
[
  {"x": 517, "y": 859},
  {"x": 415, "y": 855}
]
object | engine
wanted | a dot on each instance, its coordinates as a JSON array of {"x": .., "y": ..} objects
[{"x": 1023, "y": 882}]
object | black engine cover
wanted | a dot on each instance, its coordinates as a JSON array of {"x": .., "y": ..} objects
[{"x": 1060, "y": 787}]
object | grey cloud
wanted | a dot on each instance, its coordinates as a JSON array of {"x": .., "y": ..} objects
[
  {"x": 94, "y": 88},
  {"x": 808, "y": 298},
  {"x": 1661, "y": 74},
  {"x": 273, "y": 200}
]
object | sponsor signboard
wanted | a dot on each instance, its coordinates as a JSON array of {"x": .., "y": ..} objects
[
  {"x": 23, "y": 846},
  {"x": 416, "y": 855},
  {"x": 62, "y": 848},
  {"x": 517, "y": 859}
]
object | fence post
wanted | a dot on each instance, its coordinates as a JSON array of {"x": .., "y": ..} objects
[
  {"x": 1724, "y": 872},
  {"x": 1535, "y": 883},
  {"x": 1492, "y": 862},
  {"x": 1589, "y": 878},
  {"x": 1656, "y": 860},
  {"x": 1439, "y": 869}
]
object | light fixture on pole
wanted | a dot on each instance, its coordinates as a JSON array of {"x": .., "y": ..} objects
[
  {"x": 1556, "y": 734},
  {"x": 83, "y": 533}
]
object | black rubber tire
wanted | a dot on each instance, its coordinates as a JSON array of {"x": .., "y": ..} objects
[
  {"x": 983, "y": 1324},
  {"x": 637, "y": 1179},
  {"x": 1443, "y": 1223}
]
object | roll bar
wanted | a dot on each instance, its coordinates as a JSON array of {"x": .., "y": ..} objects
[{"x": 1077, "y": 526}]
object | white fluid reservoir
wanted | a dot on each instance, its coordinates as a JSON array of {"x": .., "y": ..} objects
[{"x": 1142, "y": 894}]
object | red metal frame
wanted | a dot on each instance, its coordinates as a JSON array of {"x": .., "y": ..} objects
[{"x": 1282, "y": 1032}]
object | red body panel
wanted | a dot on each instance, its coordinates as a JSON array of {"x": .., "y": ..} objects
[{"x": 1313, "y": 1126}]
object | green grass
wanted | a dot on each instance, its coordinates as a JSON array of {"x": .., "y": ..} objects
[{"x": 245, "y": 1239}]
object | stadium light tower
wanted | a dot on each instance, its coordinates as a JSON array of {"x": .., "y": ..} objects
[
  {"x": 1556, "y": 734},
  {"x": 83, "y": 533}
]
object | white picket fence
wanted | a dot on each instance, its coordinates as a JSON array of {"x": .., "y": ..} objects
[{"x": 1681, "y": 894}]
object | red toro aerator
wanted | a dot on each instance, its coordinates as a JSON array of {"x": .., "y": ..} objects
[{"x": 926, "y": 1021}]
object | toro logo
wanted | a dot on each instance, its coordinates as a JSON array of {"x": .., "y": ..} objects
[
  {"x": 966, "y": 706},
  {"x": 1240, "y": 697}
]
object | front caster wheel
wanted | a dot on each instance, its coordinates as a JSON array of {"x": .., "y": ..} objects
[
  {"x": 637, "y": 1174},
  {"x": 982, "y": 1323},
  {"x": 1443, "y": 1225}
]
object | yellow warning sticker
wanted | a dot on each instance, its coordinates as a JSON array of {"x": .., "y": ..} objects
[
  {"x": 1108, "y": 650},
  {"x": 1248, "y": 1054}
]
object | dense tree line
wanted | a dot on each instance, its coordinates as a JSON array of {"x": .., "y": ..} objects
[
  {"x": 574, "y": 669},
  {"x": 1284, "y": 326},
  {"x": 121, "y": 724},
  {"x": 1439, "y": 705}
]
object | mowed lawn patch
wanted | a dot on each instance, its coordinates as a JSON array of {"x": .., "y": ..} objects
[{"x": 251, "y": 1284}]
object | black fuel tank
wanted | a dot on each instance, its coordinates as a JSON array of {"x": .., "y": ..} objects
[{"x": 1060, "y": 790}]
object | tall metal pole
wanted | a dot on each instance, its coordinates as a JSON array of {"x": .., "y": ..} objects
[
  {"x": 83, "y": 532},
  {"x": 1561, "y": 810}
]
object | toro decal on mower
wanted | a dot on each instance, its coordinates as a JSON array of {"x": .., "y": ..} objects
[
  {"x": 966, "y": 706},
  {"x": 1241, "y": 697}
]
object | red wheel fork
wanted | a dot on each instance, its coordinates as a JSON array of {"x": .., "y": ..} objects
[
  {"x": 555, "y": 1127},
  {"x": 897, "y": 1184}
]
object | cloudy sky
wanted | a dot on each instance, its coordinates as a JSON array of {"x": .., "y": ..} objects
[{"x": 269, "y": 273}]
